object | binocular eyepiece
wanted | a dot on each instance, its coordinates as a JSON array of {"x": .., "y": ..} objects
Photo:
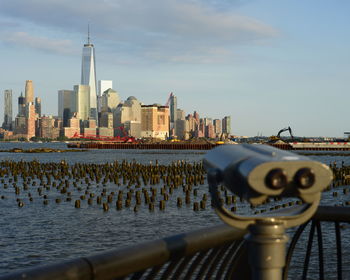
[
  {"x": 256, "y": 172},
  {"x": 277, "y": 178}
]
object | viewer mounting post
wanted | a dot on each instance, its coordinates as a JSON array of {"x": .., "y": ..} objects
[{"x": 258, "y": 172}]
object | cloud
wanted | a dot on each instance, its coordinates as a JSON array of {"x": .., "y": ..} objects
[
  {"x": 168, "y": 29},
  {"x": 40, "y": 43},
  {"x": 8, "y": 24}
]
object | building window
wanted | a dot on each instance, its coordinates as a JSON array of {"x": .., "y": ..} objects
[{"x": 161, "y": 119}]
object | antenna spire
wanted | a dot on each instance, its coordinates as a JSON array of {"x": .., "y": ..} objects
[{"x": 88, "y": 33}]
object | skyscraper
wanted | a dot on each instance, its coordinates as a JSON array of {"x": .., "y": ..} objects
[
  {"x": 29, "y": 91},
  {"x": 21, "y": 105},
  {"x": 109, "y": 100},
  {"x": 128, "y": 115},
  {"x": 226, "y": 125},
  {"x": 30, "y": 120},
  {"x": 38, "y": 106},
  {"x": 88, "y": 75},
  {"x": 217, "y": 127},
  {"x": 7, "y": 109},
  {"x": 66, "y": 105},
  {"x": 103, "y": 85},
  {"x": 82, "y": 101},
  {"x": 173, "y": 108}
]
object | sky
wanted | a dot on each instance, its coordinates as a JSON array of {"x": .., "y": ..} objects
[{"x": 268, "y": 64}]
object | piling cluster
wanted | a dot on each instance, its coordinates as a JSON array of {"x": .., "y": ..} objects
[
  {"x": 129, "y": 186},
  {"x": 119, "y": 185},
  {"x": 340, "y": 185}
]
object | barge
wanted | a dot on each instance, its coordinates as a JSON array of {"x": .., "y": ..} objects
[
  {"x": 297, "y": 146},
  {"x": 313, "y": 146},
  {"x": 142, "y": 146}
]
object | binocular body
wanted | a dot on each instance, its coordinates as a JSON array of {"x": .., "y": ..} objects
[{"x": 255, "y": 172}]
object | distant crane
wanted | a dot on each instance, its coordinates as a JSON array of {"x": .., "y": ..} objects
[
  {"x": 285, "y": 129},
  {"x": 277, "y": 137},
  {"x": 169, "y": 98}
]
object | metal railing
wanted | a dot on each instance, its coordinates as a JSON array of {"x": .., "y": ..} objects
[
  {"x": 324, "y": 214},
  {"x": 214, "y": 253}
]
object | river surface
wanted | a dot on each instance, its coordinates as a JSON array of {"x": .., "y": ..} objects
[{"x": 41, "y": 234}]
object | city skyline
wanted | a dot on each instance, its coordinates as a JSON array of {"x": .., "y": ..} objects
[{"x": 269, "y": 65}]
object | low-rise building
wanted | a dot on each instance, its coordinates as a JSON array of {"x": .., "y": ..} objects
[
  {"x": 73, "y": 128},
  {"x": 155, "y": 121},
  {"x": 105, "y": 132}
]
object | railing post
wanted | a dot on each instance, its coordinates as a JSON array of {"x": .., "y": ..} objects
[{"x": 267, "y": 249}]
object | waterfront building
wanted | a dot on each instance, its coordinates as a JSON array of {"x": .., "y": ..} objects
[
  {"x": 106, "y": 119},
  {"x": 47, "y": 128},
  {"x": 226, "y": 125},
  {"x": 196, "y": 116},
  {"x": 172, "y": 111},
  {"x": 209, "y": 131},
  {"x": 88, "y": 76},
  {"x": 99, "y": 105},
  {"x": 58, "y": 123},
  {"x": 89, "y": 132},
  {"x": 30, "y": 120},
  {"x": 38, "y": 106},
  {"x": 129, "y": 111},
  {"x": 20, "y": 125},
  {"x": 155, "y": 121},
  {"x": 180, "y": 114},
  {"x": 73, "y": 128},
  {"x": 208, "y": 121},
  {"x": 91, "y": 123},
  {"x": 21, "y": 105},
  {"x": 82, "y": 101},
  {"x": 110, "y": 100},
  {"x": 200, "y": 129},
  {"x": 102, "y": 86},
  {"x": 88, "y": 128},
  {"x": 6, "y": 134},
  {"x": 133, "y": 128},
  {"x": 178, "y": 131},
  {"x": 217, "y": 127},
  {"x": 66, "y": 105},
  {"x": 182, "y": 129},
  {"x": 191, "y": 123},
  {"x": 7, "y": 124},
  {"x": 105, "y": 132}
]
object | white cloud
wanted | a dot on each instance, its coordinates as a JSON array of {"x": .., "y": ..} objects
[
  {"x": 168, "y": 29},
  {"x": 40, "y": 43}
]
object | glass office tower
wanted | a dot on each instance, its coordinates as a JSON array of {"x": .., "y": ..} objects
[
  {"x": 88, "y": 76},
  {"x": 7, "y": 109}
]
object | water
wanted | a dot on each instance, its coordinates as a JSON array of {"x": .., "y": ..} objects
[
  {"x": 97, "y": 156},
  {"x": 42, "y": 234},
  {"x": 37, "y": 233}
]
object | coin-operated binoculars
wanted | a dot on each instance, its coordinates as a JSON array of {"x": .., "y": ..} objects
[{"x": 256, "y": 173}]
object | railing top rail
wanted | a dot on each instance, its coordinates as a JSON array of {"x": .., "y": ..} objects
[{"x": 332, "y": 214}]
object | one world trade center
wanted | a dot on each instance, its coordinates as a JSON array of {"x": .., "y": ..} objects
[{"x": 88, "y": 75}]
